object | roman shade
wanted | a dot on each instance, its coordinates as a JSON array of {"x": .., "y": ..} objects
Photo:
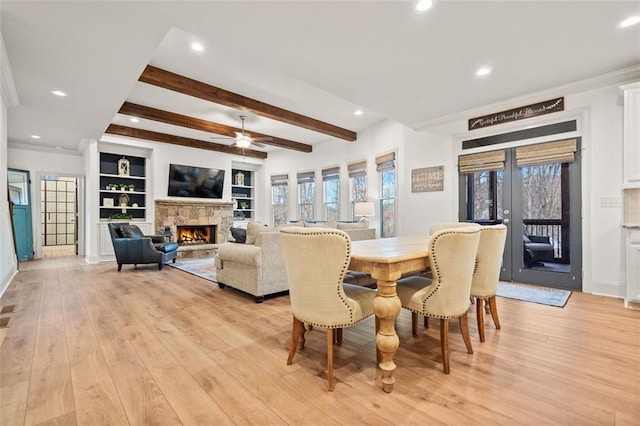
[
  {"x": 386, "y": 162},
  {"x": 491, "y": 160},
  {"x": 545, "y": 153},
  {"x": 279, "y": 180},
  {"x": 305, "y": 177},
  {"x": 357, "y": 169},
  {"x": 332, "y": 173}
]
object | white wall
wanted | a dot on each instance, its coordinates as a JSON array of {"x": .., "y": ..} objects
[{"x": 8, "y": 262}]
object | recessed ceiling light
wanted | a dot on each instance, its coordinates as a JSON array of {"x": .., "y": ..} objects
[
  {"x": 481, "y": 72},
  {"x": 630, "y": 21},
  {"x": 134, "y": 120},
  {"x": 424, "y": 5},
  {"x": 358, "y": 112},
  {"x": 35, "y": 137},
  {"x": 197, "y": 47},
  {"x": 59, "y": 93}
]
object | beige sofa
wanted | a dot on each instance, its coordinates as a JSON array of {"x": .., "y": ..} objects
[{"x": 258, "y": 266}]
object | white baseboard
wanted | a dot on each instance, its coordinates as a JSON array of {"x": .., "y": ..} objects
[{"x": 6, "y": 280}]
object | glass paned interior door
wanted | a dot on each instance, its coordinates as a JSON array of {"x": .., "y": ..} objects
[{"x": 58, "y": 195}]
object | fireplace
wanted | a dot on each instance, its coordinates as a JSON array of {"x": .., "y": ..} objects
[
  {"x": 196, "y": 234},
  {"x": 216, "y": 215}
]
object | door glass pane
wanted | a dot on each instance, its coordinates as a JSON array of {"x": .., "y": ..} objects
[
  {"x": 487, "y": 196},
  {"x": 18, "y": 187},
  {"x": 542, "y": 214}
]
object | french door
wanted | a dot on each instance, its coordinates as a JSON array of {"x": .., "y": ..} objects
[{"x": 535, "y": 191}]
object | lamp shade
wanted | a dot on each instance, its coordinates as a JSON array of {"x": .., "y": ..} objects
[{"x": 364, "y": 209}]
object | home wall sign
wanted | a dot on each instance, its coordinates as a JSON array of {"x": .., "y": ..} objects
[
  {"x": 528, "y": 111},
  {"x": 427, "y": 179}
]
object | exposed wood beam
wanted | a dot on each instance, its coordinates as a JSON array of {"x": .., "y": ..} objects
[
  {"x": 168, "y": 80},
  {"x": 167, "y": 117},
  {"x": 116, "y": 129}
]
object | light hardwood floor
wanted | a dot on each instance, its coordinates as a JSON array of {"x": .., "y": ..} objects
[{"x": 88, "y": 345}]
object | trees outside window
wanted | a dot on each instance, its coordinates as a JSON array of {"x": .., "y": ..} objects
[
  {"x": 306, "y": 195},
  {"x": 386, "y": 167},
  {"x": 280, "y": 199}
]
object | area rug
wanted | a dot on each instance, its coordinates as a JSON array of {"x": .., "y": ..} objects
[
  {"x": 535, "y": 294},
  {"x": 203, "y": 268}
]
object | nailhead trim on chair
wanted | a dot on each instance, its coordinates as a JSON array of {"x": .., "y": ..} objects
[{"x": 434, "y": 266}]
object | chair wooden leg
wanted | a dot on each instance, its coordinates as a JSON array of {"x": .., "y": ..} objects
[
  {"x": 426, "y": 321},
  {"x": 339, "y": 336},
  {"x": 464, "y": 329},
  {"x": 330, "y": 336},
  {"x": 494, "y": 312},
  {"x": 444, "y": 343},
  {"x": 480, "y": 317},
  {"x": 414, "y": 323},
  {"x": 296, "y": 331}
]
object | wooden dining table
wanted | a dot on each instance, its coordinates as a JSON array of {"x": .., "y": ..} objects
[{"x": 386, "y": 260}]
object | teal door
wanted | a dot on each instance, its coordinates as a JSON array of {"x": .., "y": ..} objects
[{"x": 19, "y": 194}]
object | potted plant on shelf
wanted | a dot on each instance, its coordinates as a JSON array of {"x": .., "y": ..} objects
[
  {"x": 120, "y": 216},
  {"x": 131, "y": 187}
]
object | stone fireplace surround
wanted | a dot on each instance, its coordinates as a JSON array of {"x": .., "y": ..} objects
[{"x": 172, "y": 213}]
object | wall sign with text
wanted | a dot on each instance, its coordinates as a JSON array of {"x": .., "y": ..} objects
[
  {"x": 427, "y": 179},
  {"x": 528, "y": 111}
]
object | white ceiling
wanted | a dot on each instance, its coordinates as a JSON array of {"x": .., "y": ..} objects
[{"x": 317, "y": 58}]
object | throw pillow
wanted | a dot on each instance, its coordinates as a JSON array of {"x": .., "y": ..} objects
[
  {"x": 253, "y": 229},
  {"x": 131, "y": 231},
  {"x": 362, "y": 223},
  {"x": 239, "y": 234}
]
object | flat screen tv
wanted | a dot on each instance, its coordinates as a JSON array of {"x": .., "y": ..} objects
[{"x": 197, "y": 182}]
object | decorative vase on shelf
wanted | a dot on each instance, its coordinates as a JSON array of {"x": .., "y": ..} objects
[
  {"x": 123, "y": 200},
  {"x": 239, "y": 179}
]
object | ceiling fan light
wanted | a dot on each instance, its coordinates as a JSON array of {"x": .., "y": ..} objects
[{"x": 243, "y": 141}]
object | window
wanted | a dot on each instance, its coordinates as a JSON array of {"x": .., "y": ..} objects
[
  {"x": 331, "y": 183},
  {"x": 306, "y": 195},
  {"x": 485, "y": 175},
  {"x": 386, "y": 167},
  {"x": 358, "y": 181},
  {"x": 280, "y": 199}
]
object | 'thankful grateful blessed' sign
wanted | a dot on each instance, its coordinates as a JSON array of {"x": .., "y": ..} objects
[{"x": 528, "y": 111}]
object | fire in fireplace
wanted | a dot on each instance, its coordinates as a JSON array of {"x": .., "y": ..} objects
[{"x": 196, "y": 234}]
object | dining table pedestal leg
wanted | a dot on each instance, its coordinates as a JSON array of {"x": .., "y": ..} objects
[{"x": 386, "y": 306}]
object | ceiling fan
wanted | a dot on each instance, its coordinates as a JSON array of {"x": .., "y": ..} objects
[{"x": 244, "y": 139}]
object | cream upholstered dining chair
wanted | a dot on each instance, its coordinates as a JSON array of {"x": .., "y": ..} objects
[
  {"x": 450, "y": 225},
  {"x": 452, "y": 254},
  {"x": 485, "y": 278},
  {"x": 317, "y": 260}
]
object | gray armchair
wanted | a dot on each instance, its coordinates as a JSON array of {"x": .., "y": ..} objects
[
  {"x": 537, "y": 249},
  {"x": 132, "y": 247}
]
